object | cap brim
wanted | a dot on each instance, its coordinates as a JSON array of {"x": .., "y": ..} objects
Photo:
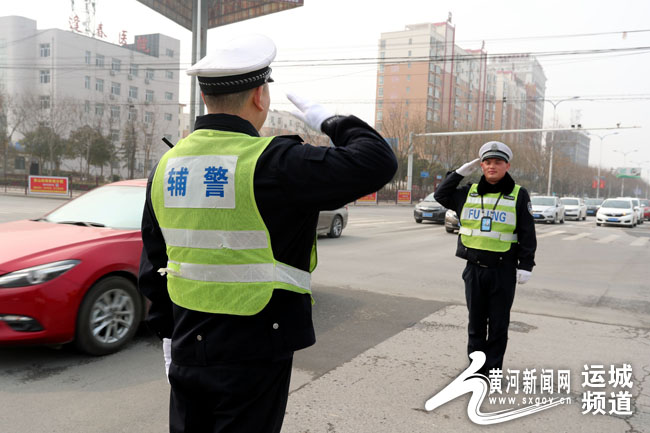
[{"x": 495, "y": 154}]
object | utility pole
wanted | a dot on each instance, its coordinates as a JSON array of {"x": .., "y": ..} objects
[{"x": 555, "y": 123}]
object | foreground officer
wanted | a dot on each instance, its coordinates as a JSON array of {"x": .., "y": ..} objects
[
  {"x": 497, "y": 238},
  {"x": 230, "y": 217}
]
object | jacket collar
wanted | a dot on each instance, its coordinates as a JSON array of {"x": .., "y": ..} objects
[
  {"x": 504, "y": 186},
  {"x": 225, "y": 122}
]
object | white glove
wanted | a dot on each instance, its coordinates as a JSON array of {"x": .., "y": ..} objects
[
  {"x": 311, "y": 113},
  {"x": 523, "y": 276},
  {"x": 167, "y": 354},
  {"x": 469, "y": 167}
]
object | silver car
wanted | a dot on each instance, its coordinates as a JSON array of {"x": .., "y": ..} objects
[{"x": 332, "y": 222}]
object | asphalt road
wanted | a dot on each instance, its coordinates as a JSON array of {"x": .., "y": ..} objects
[{"x": 381, "y": 277}]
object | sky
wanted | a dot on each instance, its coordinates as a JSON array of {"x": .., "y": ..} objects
[{"x": 613, "y": 88}]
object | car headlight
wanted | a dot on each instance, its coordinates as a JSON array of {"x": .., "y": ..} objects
[
  {"x": 547, "y": 211},
  {"x": 37, "y": 274}
]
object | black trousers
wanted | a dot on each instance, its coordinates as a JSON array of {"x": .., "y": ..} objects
[
  {"x": 250, "y": 397},
  {"x": 489, "y": 293}
]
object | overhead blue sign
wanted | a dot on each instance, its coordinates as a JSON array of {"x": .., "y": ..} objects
[{"x": 424, "y": 174}]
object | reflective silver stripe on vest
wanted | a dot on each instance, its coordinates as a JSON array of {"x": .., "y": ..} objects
[
  {"x": 215, "y": 239},
  {"x": 507, "y": 237},
  {"x": 255, "y": 273},
  {"x": 490, "y": 200}
]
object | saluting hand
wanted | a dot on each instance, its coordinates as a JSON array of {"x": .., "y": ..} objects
[
  {"x": 311, "y": 113},
  {"x": 467, "y": 168}
]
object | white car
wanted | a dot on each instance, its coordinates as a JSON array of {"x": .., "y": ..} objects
[
  {"x": 547, "y": 209},
  {"x": 574, "y": 207},
  {"x": 617, "y": 211},
  {"x": 638, "y": 209}
]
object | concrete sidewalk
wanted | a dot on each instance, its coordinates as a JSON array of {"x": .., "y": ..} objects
[{"x": 384, "y": 389}]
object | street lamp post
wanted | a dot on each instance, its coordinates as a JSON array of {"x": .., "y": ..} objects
[
  {"x": 600, "y": 158},
  {"x": 555, "y": 122},
  {"x": 625, "y": 154}
]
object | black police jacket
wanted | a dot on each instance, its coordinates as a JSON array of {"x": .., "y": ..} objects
[
  {"x": 520, "y": 254},
  {"x": 292, "y": 183}
]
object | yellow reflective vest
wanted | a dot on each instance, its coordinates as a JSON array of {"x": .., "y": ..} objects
[
  {"x": 501, "y": 209},
  {"x": 219, "y": 251}
]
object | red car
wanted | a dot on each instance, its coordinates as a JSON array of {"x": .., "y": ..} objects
[{"x": 71, "y": 275}]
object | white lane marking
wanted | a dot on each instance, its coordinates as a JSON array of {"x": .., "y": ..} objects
[
  {"x": 556, "y": 232},
  {"x": 607, "y": 239},
  {"x": 640, "y": 242},
  {"x": 575, "y": 237}
]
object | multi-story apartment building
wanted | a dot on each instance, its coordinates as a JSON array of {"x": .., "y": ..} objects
[
  {"x": 573, "y": 144},
  {"x": 121, "y": 91},
  {"x": 426, "y": 80}
]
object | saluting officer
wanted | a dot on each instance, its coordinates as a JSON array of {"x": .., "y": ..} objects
[
  {"x": 497, "y": 238},
  {"x": 229, "y": 233}
]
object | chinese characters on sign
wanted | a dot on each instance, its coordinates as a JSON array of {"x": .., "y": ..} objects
[
  {"x": 178, "y": 181},
  {"x": 215, "y": 179}
]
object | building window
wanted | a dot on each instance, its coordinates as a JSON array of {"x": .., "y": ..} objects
[
  {"x": 169, "y": 96},
  {"x": 408, "y": 64},
  {"x": 86, "y": 106},
  {"x": 99, "y": 109},
  {"x": 99, "y": 60},
  {"x": 132, "y": 114},
  {"x": 115, "y": 111},
  {"x": 148, "y": 96},
  {"x": 116, "y": 88},
  {"x": 19, "y": 163},
  {"x": 410, "y": 41},
  {"x": 149, "y": 74},
  {"x": 408, "y": 89},
  {"x": 169, "y": 52},
  {"x": 116, "y": 65},
  {"x": 408, "y": 78},
  {"x": 430, "y": 91},
  {"x": 45, "y": 76},
  {"x": 169, "y": 74},
  {"x": 381, "y": 80},
  {"x": 45, "y": 102},
  {"x": 168, "y": 117},
  {"x": 133, "y": 92},
  {"x": 381, "y": 69},
  {"x": 380, "y": 92},
  {"x": 87, "y": 56},
  {"x": 382, "y": 43},
  {"x": 429, "y": 115},
  {"x": 380, "y": 115},
  {"x": 99, "y": 85},
  {"x": 133, "y": 70},
  {"x": 409, "y": 53},
  {"x": 148, "y": 117},
  {"x": 45, "y": 50},
  {"x": 115, "y": 135},
  {"x": 86, "y": 82}
]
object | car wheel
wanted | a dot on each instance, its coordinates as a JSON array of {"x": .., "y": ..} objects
[
  {"x": 554, "y": 219},
  {"x": 336, "y": 228},
  {"x": 598, "y": 224},
  {"x": 109, "y": 316},
  {"x": 418, "y": 220},
  {"x": 449, "y": 230}
]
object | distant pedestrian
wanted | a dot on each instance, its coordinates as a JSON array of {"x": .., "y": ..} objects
[{"x": 497, "y": 238}]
